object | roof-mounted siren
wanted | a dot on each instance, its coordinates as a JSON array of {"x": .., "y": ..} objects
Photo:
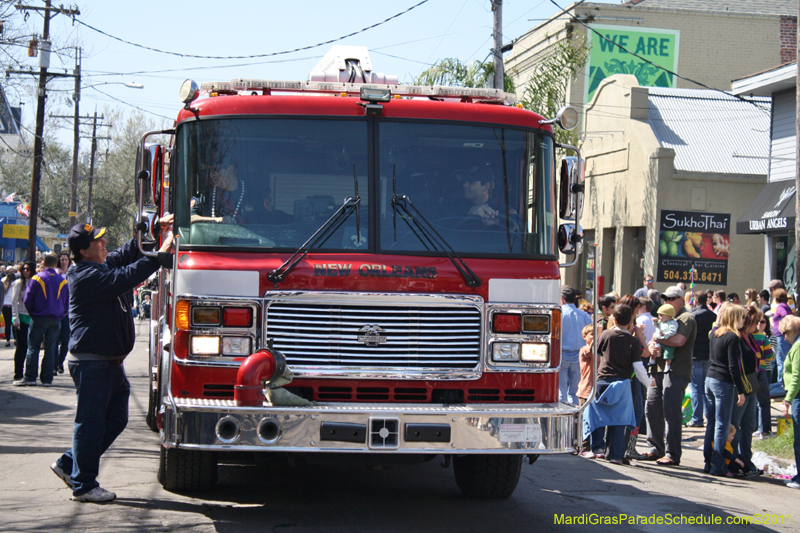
[{"x": 349, "y": 64}]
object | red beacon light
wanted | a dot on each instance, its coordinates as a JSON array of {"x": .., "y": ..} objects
[
  {"x": 237, "y": 317},
  {"x": 506, "y": 323}
]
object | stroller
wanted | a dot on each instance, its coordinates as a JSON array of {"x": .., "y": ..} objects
[{"x": 145, "y": 303}]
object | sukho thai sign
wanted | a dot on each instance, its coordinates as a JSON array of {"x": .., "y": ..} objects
[{"x": 690, "y": 240}]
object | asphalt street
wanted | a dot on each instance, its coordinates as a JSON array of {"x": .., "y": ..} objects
[{"x": 36, "y": 426}]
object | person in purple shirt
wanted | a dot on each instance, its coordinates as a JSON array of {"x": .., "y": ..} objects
[
  {"x": 46, "y": 299},
  {"x": 783, "y": 346}
]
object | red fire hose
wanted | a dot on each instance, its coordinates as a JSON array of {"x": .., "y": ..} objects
[{"x": 256, "y": 372}]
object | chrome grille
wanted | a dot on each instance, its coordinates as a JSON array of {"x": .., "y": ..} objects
[{"x": 327, "y": 335}]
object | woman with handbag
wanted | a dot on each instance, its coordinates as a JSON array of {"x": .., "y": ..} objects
[
  {"x": 745, "y": 417},
  {"x": 723, "y": 387}
]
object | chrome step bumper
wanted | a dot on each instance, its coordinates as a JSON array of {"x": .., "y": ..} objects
[{"x": 373, "y": 427}]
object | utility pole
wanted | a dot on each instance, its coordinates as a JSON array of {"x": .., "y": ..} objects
[
  {"x": 76, "y": 97},
  {"x": 91, "y": 168},
  {"x": 73, "y": 197},
  {"x": 797, "y": 166},
  {"x": 44, "y": 63},
  {"x": 497, "y": 51},
  {"x": 92, "y": 158}
]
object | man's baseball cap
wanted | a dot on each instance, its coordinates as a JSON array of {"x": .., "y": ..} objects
[
  {"x": 81, "y": 236},
  {"x": 673, "y": 292},
  {"x": 775, "y": 284}
]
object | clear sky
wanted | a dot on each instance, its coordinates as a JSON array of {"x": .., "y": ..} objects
[{"x": 403, "y": 46}]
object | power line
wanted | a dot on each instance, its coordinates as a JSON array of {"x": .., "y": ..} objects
[
  {"x": 129, "y": 104},
  {"x": 16, "y": 152},
  {"x": 447, "y": 31},
  {"x": 402, "y": 58},
  {"x": 99, "y": 73},
  {"x": 255, "y": 55}
]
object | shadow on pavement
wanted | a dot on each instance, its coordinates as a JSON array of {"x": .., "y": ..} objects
[{"x": 423, "y": 498}]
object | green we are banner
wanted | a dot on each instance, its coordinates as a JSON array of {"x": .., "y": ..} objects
[{"x": 606, "y": 58}]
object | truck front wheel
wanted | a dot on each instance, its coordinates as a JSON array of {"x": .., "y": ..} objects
[
  {"x": 187, "y": 470},
  {"x": 487, "y": 476}
]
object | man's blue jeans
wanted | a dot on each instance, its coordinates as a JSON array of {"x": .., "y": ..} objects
[
  {"x": 697, "y": 391},
  {"x": 569, "y": 376},
  {"x": 102, "y": 414},
  {"x": 720, "y": 399},
  {"x": 63, "y": 342},
  {"x": 782, "y": 351},
  {"x": 764, "y": 410},
  {"x": 745, "y": 420},
  {"x": 47, "y": 329},
  {"x": 616, "y": 434}
]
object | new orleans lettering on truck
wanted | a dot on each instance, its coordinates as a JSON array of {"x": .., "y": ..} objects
[{"x": 361, "y": 268}]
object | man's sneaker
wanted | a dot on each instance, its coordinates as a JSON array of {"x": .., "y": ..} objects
[
  {"x": 695, "y": 425},
  {"x": 61, "y": 474},
  {"x": 47, "y": 384},
  {"x": 793, "y": 485},
  {"x": 588, "y": 455},
  {"x": 60, "y": 369},
  {"x": 24, "y": 383},
  {"x": 767, "y": 436},
  {"x": 615, "y": 461},
  {"x": 97, "y": 494}
]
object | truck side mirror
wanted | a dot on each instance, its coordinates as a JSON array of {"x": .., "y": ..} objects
[
  {"x": 570, "y": 241},
  {"x": 144, "y": 162},
  {"x": 570, "y": 190},
  {"x": 144, "y": 223}
]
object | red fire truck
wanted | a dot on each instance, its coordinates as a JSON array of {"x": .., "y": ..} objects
[{"x": 360, "y": 267}]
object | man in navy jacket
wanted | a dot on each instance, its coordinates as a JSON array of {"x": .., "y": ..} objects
[{"x": 101, "y": 336}]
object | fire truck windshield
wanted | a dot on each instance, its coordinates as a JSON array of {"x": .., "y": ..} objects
[{"x": 269, "y": 184}]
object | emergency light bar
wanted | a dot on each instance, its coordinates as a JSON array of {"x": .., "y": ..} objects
[{"x": 236, "y": 86}]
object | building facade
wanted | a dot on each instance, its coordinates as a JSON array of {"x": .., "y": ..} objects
[
  {"x": 711, "y": 41},
  {"x": 772, "y": 212},
  {"x": 668, "y": 173}
]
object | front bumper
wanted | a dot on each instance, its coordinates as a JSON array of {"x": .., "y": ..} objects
[{"x": 399, "y": 428}]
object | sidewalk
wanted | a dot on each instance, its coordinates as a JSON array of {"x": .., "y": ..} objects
[{"x": 693, "y": 438}]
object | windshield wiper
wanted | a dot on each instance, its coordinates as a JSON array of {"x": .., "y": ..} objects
[
  {"x": 428, "y": 235},
  {"x": 350, "y": 204}
]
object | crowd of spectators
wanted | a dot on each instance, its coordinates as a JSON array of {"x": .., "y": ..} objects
[{"x": 735, "y": 358}]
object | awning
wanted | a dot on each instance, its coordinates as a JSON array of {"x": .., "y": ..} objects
[
  {"x": 40, "y": 245},
  {"x": 772, "y": 211}
]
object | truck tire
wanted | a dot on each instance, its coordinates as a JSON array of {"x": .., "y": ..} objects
[
  {"x": 187, "y": 470},
  {"x": 487, "y": 476}
]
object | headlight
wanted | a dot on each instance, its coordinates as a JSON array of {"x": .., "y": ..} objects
[
  {"x": 505, "y": 351},
  {"x": 205, "y": 345},
  {"x": 534, "y": 352},
  {"x": 235, "y": 346}
]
